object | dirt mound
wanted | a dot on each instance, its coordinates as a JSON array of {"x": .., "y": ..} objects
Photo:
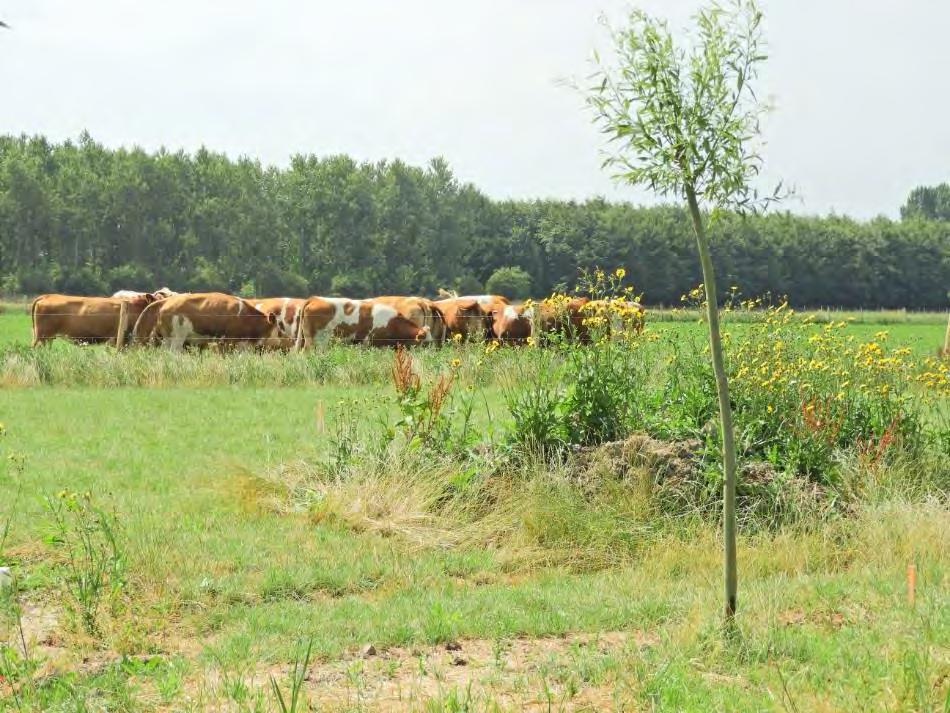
[
  {"x": 672, "y": 476},
  {"x": 640, "y": 459}
]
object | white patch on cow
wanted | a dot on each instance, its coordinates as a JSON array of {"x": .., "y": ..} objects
[
  {"x": 181, "y": 331},
  {"x": 482, "y": 300},
  {"x": 340, "y": 317},
  {"x": 382, "y": 315},
  {"x": 128, "y": 294},
  {"x": 513, "y": 314},
  {"x": 288, "y": 324}
]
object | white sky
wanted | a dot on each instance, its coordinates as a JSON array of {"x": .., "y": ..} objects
[{"x": 862, "y": 100}]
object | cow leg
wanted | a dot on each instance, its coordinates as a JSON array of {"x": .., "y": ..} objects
[{"x": 181, "y": 330}]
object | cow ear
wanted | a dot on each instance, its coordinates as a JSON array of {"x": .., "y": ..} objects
[{"x": 469, "y": 304}]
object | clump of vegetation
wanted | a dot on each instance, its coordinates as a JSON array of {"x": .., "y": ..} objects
[
  {"x": 95, "y": 562},
  {"x": 586, "y": 385},
  {"x": 295, "y": 700}
]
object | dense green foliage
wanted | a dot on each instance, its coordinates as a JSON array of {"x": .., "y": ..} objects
[
  {"x": 928, "y": 202},
  {"x": 77, "y": 217}
]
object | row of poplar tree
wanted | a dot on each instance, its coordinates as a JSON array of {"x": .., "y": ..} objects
[{"x": 80, "y": 218}]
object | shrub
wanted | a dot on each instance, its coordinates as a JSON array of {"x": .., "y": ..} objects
[
  {"x": 95, "y": 565},
  {"x": 207, "y": 277},
  {"x": 272, "y": 281},
  {"x": 352, "y": 285},
  {"x": 603, "y": 376},
  {"x": 469, "y": 285},
  {"x": 32, "y": 281},
  {"x": 83, "y": 280},
  {"x": 803, "y": 393},
  {"x": 511, "y": 282},
  {"x": 131, "y": 277}
]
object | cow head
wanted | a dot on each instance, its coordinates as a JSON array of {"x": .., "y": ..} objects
[
  {"x": 273, "y": 337},
  {"x": 405, "y": 331}
]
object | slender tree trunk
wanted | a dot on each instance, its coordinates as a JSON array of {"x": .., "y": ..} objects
[{"x": 725, "y": 409}]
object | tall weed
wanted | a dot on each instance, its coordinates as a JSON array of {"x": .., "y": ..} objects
[{"x": 95, "y": 562}]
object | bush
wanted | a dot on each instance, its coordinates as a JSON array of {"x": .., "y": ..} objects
[
  {"x": 206, "y": 278},
  {"x": 34, "y": 281},
  {"x": 803, "y": 393},
  {"x": 605, "y": 378},
  {"x": 131, "y": 277},
  {"x": 352, "y": 285},
  {"x": 273, "y": 282},
  {"x": 81, "y": 281},
  {"x": 511, "y": 282},
  {"x": 469, "y": 285}
]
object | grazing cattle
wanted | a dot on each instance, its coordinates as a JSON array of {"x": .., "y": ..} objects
[
  {"x": 421, "y": 312},
  {"x": 287, "y": 310},
  {"x": 515, "y": 324},
  {"x": 84, "y": 319},
  {"x": 213, "y": 317},
  {"x": 159, "y": 294},
  {"x": 356, "y": 322},
  {"x": 470, "y": 315},
  {"x": 144, "y": 330}
]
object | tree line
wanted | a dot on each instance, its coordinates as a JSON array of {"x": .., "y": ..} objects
[{"x": 80, "y": 218}]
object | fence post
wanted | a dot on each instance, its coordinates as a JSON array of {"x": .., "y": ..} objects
[
  {"x": 123, "y": 324},
  {"x": 946, "y": 340}
]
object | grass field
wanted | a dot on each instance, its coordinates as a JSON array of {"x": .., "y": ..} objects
[{"x": 227, "y": 576}]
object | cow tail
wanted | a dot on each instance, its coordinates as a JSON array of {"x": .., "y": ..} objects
[
  {"x": 36, "y": 331},
  {"x": 298, "y": 343}
]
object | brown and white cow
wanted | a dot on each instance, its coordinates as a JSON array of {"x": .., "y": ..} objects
[
  {"x": 143, "y": 332},
  {"x": 287, "y": 310},
  {"x": 214, "y": 317},
  {"x": 515, "y": 324},
  {"x": 421, "y": 312},
  {"x": 470, "y": 315},
  {"x": 356, "y": 322},
  {"x": 84, "y": 319},
  {"x": 159, "y": 294}
]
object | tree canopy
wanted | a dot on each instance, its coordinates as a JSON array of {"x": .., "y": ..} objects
[
  {"x": 79, "y": 217},
  {"x": 928, "y": 203}
]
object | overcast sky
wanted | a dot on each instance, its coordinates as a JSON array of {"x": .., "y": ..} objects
[{"x": 860, "y": 86}]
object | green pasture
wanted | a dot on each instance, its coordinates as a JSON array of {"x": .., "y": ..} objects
[
  {"x": 215, "y": 567},
  {"x": 228, "y": 576}
]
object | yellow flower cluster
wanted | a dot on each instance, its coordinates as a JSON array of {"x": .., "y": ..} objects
[
  {"x": 935, "y": 375},
  {"x": 789, "y": 356}
]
